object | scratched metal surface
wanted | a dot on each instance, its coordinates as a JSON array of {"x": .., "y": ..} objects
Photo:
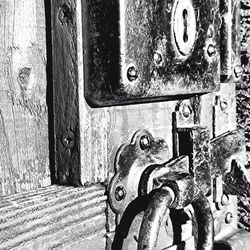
[{"x": 112, "y": 48}]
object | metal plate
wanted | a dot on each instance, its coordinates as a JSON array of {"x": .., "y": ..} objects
[{"x": 133, "y": 50}]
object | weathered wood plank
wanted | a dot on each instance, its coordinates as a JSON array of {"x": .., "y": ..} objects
[
  {"x": 63, "y": 218},
  {"x": 24, "y": 161}
]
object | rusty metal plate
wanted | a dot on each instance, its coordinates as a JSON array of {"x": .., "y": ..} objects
[{"x": 139, "y": 51}]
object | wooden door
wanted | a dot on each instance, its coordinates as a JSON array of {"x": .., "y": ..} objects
[{"x": 86, "y": 138}]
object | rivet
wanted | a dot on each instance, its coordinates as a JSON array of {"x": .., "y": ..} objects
[
  {"x": 238, "y": 71},
  {"x": 186, "y": 110},
  {"x": 229, "y": 218},
  {"x": 68, "y": 139},
  {"x": 120, "y": 193},
  {"x": 157, "y": 58},
  {"x": 224, "y": 200},
  {"x": 144, "y": 142},
  {"x": 132, "y": 74},
  {"x": 211, "y": 50}
]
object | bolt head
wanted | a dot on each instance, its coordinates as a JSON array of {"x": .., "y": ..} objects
[
  {"x": 211, "y": 50},
  {"x": 229, "y": 218},
  {"x": 132, "y": 74},
  {"x": 157, "y": 58},
  {"x": 144, "y": 142},
  {"x": 186, "y": 110},
  {"x": 120, "y": 193}
]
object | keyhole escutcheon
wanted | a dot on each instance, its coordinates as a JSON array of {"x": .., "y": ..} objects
[{"x": 184, "y": 26}]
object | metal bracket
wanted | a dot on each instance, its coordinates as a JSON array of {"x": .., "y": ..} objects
[{"x": 143, "y": 167}]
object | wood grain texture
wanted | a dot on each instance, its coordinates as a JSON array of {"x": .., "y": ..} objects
[
  {"x": 24, "y": 161},
  {"x": 65, "y": 89},
  {"x": 54, "y": 218}
]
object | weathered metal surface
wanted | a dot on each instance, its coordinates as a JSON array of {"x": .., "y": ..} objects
[
  {"x": 237, "y": 181},
  {"x": 195, "y": 142},
  {"x": 186, "y": 176},
  {"x": 149, "y": 178},
  {"x": 224, "y": 109},
  {"x": 240, "y": 240},
  {"x": 230, "y": 49},
  {"x": 226, "y": 148},
  {"x": 131, "y": 161},
  {"x": 153, "y": 218},
  {"x": 166, "y": 198},
  {"x": 225, "y": 218},
  {"x": 133, "y": 51}
]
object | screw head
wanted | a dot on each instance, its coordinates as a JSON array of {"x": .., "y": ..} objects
[
  {"x": 229, "y": 218},
  {"x": 132, "y": 74},
  {"x": 144, "y": 142},
  {"x": 68, "y": 139},
  {"x": 238, "y": 71},
  {"x": 120, "y": 193},
  {"x": 211, "y": 50},
  {"x": 157, "y": 58},
  {"x": 186, "y": 110}
]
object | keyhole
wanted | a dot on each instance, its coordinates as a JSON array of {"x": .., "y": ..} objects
[{"x": 185, "y": 17}]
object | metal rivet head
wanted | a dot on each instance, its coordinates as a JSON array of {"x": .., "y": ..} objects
[
  {"x": 132, "y": 74},
  {"x": 157, "y": 58},
  {"x": 144, "y": 142},
  {"x": 238, "y": 71},
  {"x": 211, "y": 50},
  {"x": 186, "y": 110},
  {"x": 68, "y": 139},
  {"x": 229, "y": 218},
  {"x": 120, "y": 193}
]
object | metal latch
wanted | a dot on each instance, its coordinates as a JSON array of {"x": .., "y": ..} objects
[
  {"x": 139, "y": 51},
  {"x": 188, "y": 201}
]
